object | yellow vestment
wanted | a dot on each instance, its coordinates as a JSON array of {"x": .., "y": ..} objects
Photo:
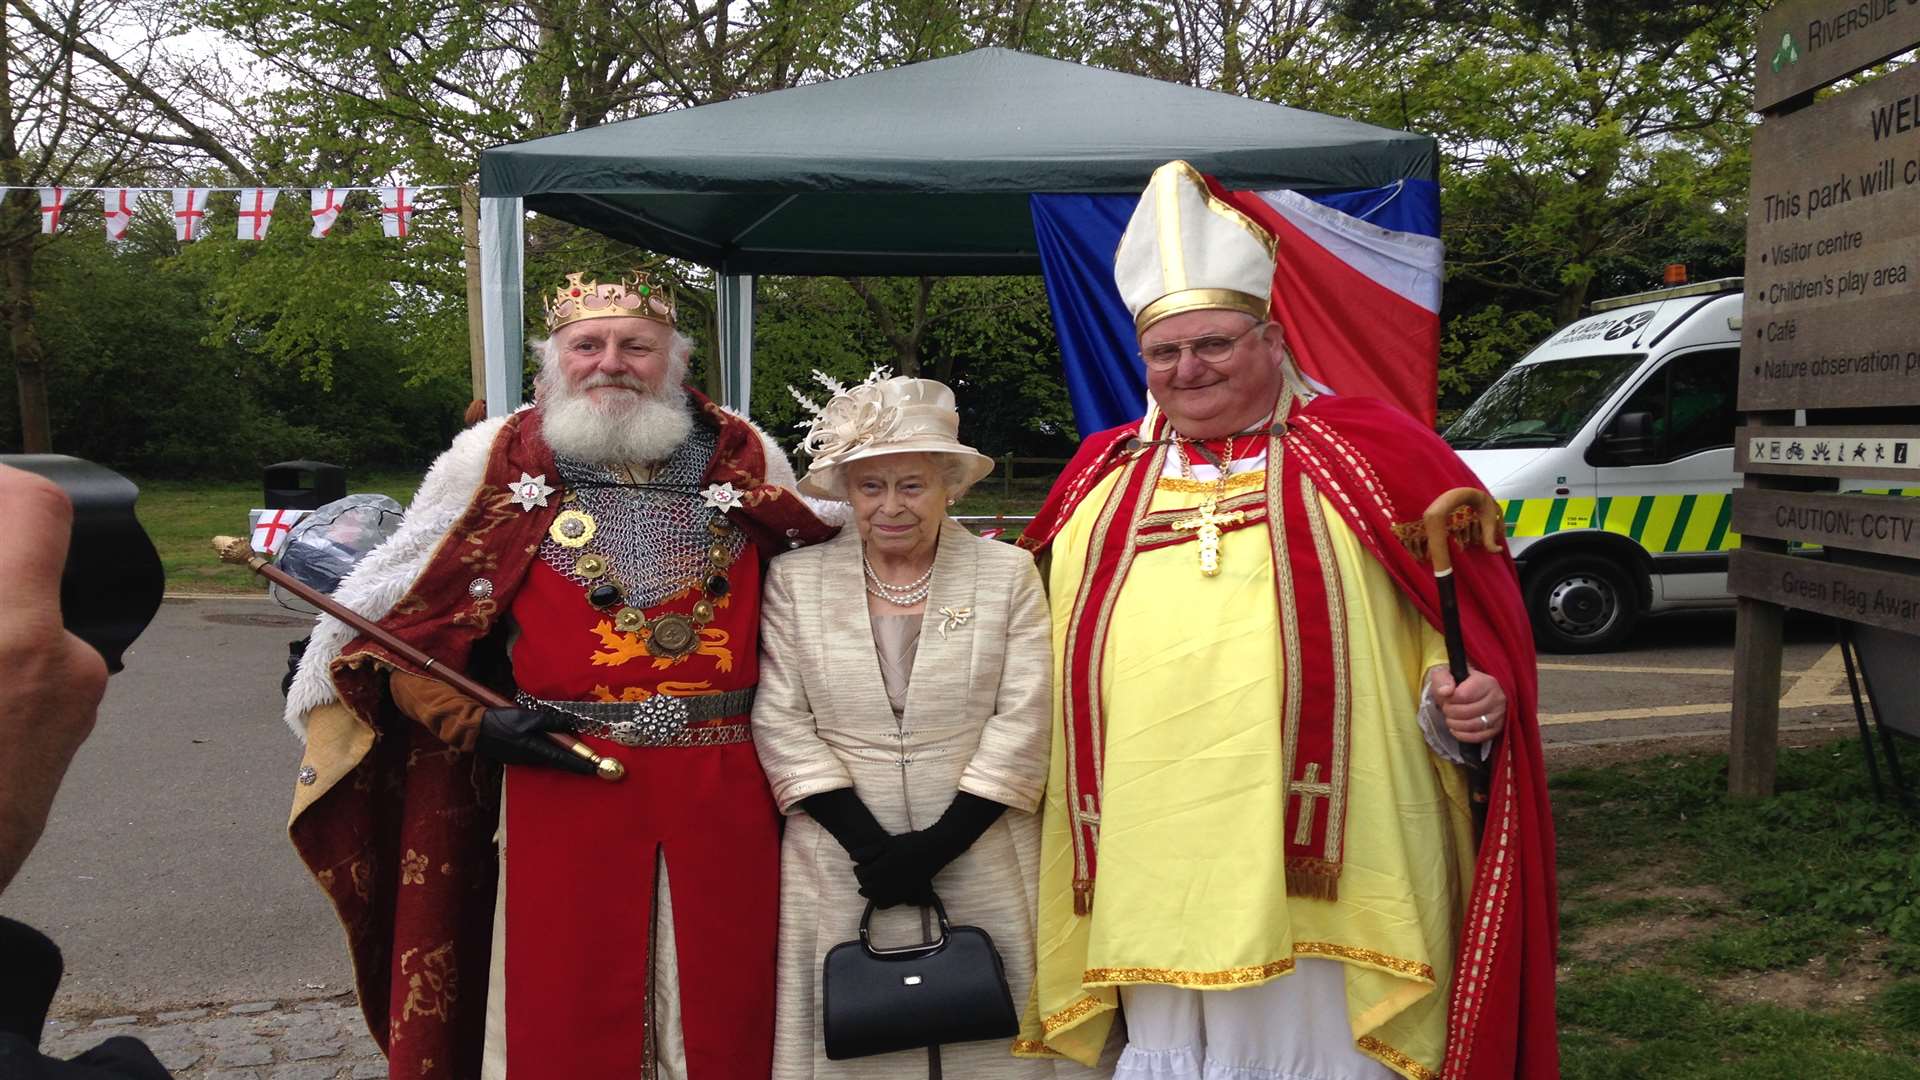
[{"x": 1192, "y": 885}]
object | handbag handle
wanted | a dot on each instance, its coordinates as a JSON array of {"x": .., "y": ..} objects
[{"x": 903, "y": 950}]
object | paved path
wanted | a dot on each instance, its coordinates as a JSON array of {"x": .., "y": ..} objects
[
  {"x": 165, "y": 874},
  {"x": 260, "y": 1040}
]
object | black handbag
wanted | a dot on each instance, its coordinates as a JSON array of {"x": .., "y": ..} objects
[{"x": 949, "y": 990}]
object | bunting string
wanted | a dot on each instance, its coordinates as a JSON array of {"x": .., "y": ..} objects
[{"x": 256, "y": 209}]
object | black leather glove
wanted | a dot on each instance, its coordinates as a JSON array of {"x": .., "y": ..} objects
[
  {"x": 518, "y": 737},
  {"x": 295, "y": 651},
  {"x": 843, "y": 815},
  {"x": 903, "y": 872}
]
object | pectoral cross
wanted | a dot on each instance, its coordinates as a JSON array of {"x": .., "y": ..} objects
[
  {"x": 1307, "y": 789},
  {"x": 1206, "y": 523}
]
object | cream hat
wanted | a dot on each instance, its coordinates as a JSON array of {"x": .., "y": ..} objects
[
  {"x": 1185, "y": 250},
  {"x": 883, "y": 416}
]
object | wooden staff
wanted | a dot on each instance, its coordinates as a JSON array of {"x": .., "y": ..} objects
[
  {"x": 1488, "y": 524},
  {"x": 235, "y": 550}
]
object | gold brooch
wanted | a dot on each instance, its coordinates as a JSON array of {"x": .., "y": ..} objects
[
  {"x": 572, "y": 528},
  {"x": 955, "y": 618}
]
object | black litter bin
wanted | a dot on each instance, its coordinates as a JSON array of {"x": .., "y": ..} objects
[{"x": 304, "y": 485}]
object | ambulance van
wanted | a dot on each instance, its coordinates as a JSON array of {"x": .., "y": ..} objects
[{"x": 1610, "y": 448}]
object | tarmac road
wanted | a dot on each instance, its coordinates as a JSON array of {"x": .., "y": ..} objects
[{"x": 167, "y": 878}]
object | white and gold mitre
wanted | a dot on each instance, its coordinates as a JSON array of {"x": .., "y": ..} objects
[{"x": 1185, "y": 250}]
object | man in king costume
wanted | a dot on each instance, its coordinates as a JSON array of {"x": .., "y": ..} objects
[
  {"x": 1257, "y": 844},
  {"x": 597, "y": 558}
]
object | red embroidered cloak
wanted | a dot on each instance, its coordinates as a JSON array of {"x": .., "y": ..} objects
[{"x": 398, "y": 830}]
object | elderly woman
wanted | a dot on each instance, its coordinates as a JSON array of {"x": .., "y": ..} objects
[{"x": 902, "y": 721}]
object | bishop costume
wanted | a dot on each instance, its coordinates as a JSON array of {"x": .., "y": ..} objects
[{"x": 1254, "y": 829}]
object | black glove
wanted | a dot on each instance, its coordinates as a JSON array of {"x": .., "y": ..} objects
[
  {"x": 518, "y": 737},
  {"x": 295, "y": 650},
  {"x": 903, "y": 872},
  {"x": 842, "y": 814}
]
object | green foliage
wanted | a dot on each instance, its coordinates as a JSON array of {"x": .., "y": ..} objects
[
  {"x": 1771, "y": 945},
  {"x": 176, "y": 363},
  {"x": 1794, "y": 879},
  {"x": 1900, "y": 1005}
]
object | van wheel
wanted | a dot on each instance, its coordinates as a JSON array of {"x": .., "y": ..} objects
[{"x": 1581, "y": 603}]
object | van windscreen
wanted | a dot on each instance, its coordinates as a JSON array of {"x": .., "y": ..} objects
[{"x": 1541, "y": 404}]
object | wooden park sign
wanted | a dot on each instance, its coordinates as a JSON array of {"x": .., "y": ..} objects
[
  {"x": 1831, "y": 320},
  {"x": 1887, "y": 524},
  {"x": 1804, "y": 45},
  {"x": 1832, "y": 311}
]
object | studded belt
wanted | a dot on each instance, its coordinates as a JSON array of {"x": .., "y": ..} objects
[{"x": 661, "y": 720}]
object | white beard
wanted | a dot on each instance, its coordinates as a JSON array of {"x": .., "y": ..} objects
[{"x": 633, "y": 428}]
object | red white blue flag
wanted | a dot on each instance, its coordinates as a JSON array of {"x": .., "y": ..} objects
[{"x": 1360, "y": 304}]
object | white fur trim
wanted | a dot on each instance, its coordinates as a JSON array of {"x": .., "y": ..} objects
[
  {"x": 779, "y": 469},
  {"x": 388, "y": 571}
]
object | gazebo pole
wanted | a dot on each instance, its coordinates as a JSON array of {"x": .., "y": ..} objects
[
  {"x": 502, "y": 244},
  {"x": 734, "y": 303}
]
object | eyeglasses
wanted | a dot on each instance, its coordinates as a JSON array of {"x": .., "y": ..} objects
[{"x": 1211, "y": 348}]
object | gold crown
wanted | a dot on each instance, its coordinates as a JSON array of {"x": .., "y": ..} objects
[{"x": 634, "y": 297}]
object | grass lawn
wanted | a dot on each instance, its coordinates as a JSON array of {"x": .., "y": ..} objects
[
  {"x": 1706, "y": 938},
  {"x": 183, "y": 515}
]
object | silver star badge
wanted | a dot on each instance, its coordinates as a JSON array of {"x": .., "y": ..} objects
[
  {"x": 722, "y": 497},
  {"x": 531, "y": 491}
]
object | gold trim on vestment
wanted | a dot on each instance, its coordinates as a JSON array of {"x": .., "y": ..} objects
[
  {"x": 1394, "y": 1059},
  {"x": 1185, "y": 300},
  {"x": 1337, "y": 626},
  {"x": 1033, "y": 1048},
  {"x": 1237, "y": 483},
  {"x": 1238, "y": 976},
  {"x": 1290, "y": 663},
  {"x": 1166, "y": 519},
  {"x": 1412, "y": 969},
  {"x": 1071, "y": 1015}
]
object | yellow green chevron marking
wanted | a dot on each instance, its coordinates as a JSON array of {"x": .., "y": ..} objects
[
  {"x": 1696, "y": 522},
  {"x": 1662, "y": 523}
]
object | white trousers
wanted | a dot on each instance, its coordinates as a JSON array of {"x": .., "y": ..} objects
[{"x": 1292, "y": 1028}]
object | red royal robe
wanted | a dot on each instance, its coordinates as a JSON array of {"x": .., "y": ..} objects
[
  {"x": 1501, "y": 1023},
  {"x": 402, "y": 842}
]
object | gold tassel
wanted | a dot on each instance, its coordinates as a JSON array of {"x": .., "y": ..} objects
[
  {"x": 1313, "y": 879},
  {"x": 1083, "y": 896}
]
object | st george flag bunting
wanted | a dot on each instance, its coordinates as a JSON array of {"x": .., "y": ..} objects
[
  {"x": 117, "y": 205},
  {"x": 326, "y": 207},
  {"x": 53, "y": 202},
  {"x": 272, "y": 527},
  {"x": 189, "y": 212},
  {"x": 1360, "y": 304},
  {"x": 396, "y": 213},
  {"x": 256, "y": 211}
]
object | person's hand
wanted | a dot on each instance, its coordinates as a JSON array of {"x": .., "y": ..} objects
[
  {"x": 54, "y": 680},
  {"x": 903, "y": 871},
  {"x": 1475, "y": 710},
  {"x": 518, "y": 737}
]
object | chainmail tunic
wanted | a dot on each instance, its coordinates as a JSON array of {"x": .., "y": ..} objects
[{"x": 654, "y": 536}]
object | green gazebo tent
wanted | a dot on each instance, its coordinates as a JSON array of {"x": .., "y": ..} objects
[{"x": 924, "y": 169}]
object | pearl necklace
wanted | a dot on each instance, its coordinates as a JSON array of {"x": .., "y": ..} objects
[{"x": 908, "y": 595}]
